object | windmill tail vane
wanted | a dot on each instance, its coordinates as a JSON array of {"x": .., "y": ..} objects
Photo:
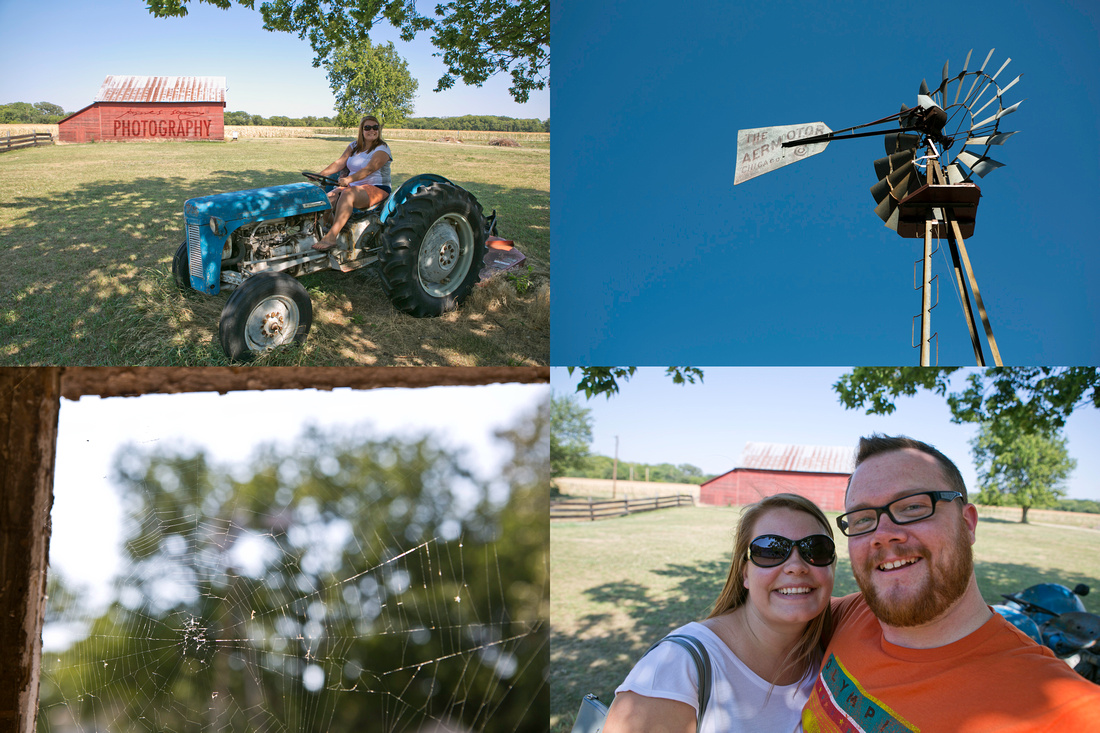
[{"x": 925, "y": 184}]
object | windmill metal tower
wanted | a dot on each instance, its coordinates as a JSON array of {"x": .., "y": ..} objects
[{"x": 925, "y": 188}]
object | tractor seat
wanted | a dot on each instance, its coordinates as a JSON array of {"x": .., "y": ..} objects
[{"x": 360, "y": 214}]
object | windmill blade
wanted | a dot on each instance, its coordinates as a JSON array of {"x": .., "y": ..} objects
[
  {"x": 891, "y": 163},
  {"x": 980, "y": 165},
  {"x": 1009, "y": 85},
  {"x": 760, "y": 149},
  {"x": 999, "y": 115},
  {"x": 1002, "y": 68},
  {"x": 894, "y": 184},
  {"x": 943, "y": 84},
  {"x": 924, "y": 88},
  {"x": 962, "y": 75},
  {"x": 954, "y": 174},
  {"x": 991, "y": 139},
  {"x": 900, "y": 142},
  {"x": 979, "y": 75}
]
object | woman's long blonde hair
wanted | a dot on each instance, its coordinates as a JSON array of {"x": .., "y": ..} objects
[
  {"x": 361, "y": 141},
  {"x": 735, "y": 594}
]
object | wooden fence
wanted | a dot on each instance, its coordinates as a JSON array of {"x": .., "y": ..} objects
[
  {"x": 34, "y": 139},
  {"x": 593, "y": 510}
]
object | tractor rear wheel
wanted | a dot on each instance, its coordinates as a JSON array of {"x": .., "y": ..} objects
[
  {"x": 267, "y": 310},
  {"x": 432, "y": 250}
]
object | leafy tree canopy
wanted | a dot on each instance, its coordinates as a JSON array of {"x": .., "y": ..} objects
[
  {"x": 570, "y": 434},
  {"x": 1020, "y": 469},
  {"x": 477, "y": 38},
  {"x": 370, "y": 79},
  {"x": 1013, "y": 399},
  {"x": 605, "y": 380}
]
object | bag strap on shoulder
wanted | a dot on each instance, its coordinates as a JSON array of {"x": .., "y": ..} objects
[{"x": 699, "y": 654}]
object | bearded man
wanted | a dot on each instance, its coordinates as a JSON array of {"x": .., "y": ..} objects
[{"x": 918, "y": 649}]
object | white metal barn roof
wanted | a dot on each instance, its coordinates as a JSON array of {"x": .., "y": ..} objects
[
  {"x": 808, "y": 458},
  {"x": 162, "y": 89}
]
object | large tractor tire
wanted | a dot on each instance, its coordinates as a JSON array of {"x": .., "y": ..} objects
[
  {"x": 267, "y": 311},
  {"x": 180, "y": 273},
  {"x": 432, "y": 250}
]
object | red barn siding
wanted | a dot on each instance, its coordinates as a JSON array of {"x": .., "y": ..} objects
[
  {"x": 136, "y": 121},
  {"x": 747, "y": 485}
]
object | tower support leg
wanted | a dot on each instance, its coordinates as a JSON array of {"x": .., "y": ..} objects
[
  {"x": 955, "y": 237},
  {"x": 926, "y": 295}
]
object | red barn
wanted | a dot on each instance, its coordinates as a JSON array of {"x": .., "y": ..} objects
[
  {"x": 818, "y": 473},
  {"x": 150, "y": 108}
]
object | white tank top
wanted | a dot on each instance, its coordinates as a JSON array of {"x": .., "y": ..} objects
[{"x": 739, "y": 699}]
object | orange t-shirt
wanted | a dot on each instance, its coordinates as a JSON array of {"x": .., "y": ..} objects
[{"x": 995, "y": 679}]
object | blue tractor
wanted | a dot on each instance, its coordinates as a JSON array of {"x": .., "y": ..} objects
[{"x": 427, "y": 240}]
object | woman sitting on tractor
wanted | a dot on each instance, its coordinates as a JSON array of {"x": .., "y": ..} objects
[{"x": 367, "y": 183}]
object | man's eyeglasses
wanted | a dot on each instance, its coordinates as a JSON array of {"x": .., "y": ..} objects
[
  {"x": 905, "y": 510},
  {"x": 769, "y": 550},
  {"x": 372, "y": 127}
]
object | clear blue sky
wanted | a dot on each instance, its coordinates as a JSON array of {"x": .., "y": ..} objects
[
  {"x": 708, "y": 424},
  {"x": 61, "y": 51},
  {"x": 660, "y": 260}
]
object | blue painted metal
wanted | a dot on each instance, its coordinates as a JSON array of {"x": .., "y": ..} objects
[{"x": 233, "y": 210}]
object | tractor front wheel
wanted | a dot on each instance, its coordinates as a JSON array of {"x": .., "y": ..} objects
[
  {"x": 432, "y": 249},
  {"x": 180, "y": 272},
  {"x": 267, "y": 310}
]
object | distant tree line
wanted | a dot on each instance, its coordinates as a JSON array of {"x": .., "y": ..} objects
[
  {"x": 1077, "y": 505},
  {"x": 472, "y": 123},
  {"x": 597, "y": 466},
  {"x": 45, "y": 113},
  {"x": 39, "y": 113}
]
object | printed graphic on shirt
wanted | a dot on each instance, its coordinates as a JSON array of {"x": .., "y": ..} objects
[{"x": 838, "y": 704}]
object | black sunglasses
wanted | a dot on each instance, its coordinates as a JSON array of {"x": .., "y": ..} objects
[
  {"x": 769, "y": 550},
  {"x": 372, "y": 127}
]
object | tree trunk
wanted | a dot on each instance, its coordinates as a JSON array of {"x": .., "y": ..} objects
[
  {"x": 29, "y": 403},
  {"x": 1023, "y": 518}
]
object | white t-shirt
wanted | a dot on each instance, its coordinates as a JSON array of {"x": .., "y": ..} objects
[
  {"x": 737, "y": 698},
  {"x": 359, "y": 161}
]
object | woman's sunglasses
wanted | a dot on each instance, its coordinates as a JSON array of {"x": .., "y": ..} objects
[
  {"x": 769, "y": 550},
  {"x": 372, "y": 127}
]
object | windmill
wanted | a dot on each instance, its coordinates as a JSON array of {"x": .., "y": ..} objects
[{"x": 925, "y": 185}]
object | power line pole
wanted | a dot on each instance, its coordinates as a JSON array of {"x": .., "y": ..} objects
[{"x": 615, "y": 469}]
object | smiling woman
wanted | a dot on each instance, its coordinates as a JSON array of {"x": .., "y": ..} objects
[{"x": 763, "y": 633}]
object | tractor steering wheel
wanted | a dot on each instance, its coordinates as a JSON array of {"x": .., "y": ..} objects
[{"x": 318, "y": 178}]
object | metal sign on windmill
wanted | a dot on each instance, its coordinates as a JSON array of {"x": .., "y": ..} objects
[{"x": 925, "y": 187}]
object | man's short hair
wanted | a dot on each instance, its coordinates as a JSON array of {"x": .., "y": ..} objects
[{"x": 876, "y": 444}]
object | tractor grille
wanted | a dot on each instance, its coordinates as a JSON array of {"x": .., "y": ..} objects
[{"x": 194, "y": 251}]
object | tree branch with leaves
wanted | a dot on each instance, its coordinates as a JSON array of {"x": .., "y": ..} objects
[{"x": 476, "y": 38}]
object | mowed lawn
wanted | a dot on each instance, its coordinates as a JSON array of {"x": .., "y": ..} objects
[
  {"x": 87, "y": 233},
  {"x": 618, "y": 585}
]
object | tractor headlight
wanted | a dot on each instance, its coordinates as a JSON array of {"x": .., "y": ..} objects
[{"x": 217, "y": 226}]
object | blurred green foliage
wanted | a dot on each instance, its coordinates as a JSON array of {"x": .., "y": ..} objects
[{"x": 354, "y": 584}]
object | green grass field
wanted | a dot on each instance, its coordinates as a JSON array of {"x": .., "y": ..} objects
[
  {"x": 87, "y": 233},
  {"x": 618, "y": 585}
]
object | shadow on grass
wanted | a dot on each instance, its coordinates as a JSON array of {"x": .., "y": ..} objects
[
  {"x": 594, "y": 657},
  {"x": 85, "y": 278}
]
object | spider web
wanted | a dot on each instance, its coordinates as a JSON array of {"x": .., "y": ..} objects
[{"x": 301, "y": 613}]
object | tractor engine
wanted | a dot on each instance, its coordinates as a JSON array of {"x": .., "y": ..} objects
[{"x": 273, "y": 238}]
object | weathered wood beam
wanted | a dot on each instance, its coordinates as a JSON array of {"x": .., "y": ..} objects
[
  {"x": 131, "y": 381},
  {"x": 29, "y": 403}
]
